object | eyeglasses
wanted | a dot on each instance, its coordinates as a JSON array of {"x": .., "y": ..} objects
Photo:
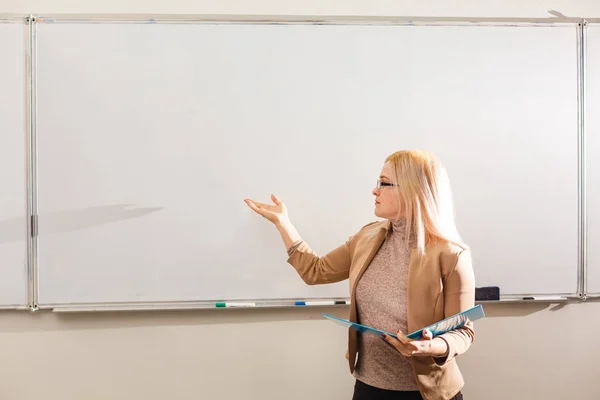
[{"x": 381, "y": 184}]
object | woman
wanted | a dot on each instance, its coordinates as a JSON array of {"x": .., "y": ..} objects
[{"x": 406, "y": 272}]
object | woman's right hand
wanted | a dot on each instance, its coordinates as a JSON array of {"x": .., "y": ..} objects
[{"x": 276, "y": 213}]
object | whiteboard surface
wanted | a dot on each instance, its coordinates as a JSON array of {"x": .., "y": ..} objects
[
  {"x": 13, "y": 200},
  {"x": 150, "y": 137},
  {"x": 592, "y": 156}
]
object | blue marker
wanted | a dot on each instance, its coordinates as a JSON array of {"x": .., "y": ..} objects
[{"x": 321, "y": 303}]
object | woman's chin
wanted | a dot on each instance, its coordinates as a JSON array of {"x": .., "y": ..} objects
[{"x": 379, "y": 214}]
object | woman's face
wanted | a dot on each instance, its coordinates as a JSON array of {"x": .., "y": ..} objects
[{"x": 387, "y": 204}]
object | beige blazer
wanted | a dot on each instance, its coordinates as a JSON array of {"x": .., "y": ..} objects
[{"x": 440, "y": 284}]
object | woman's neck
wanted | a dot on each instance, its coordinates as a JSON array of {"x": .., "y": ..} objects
[{"x": 399, "y": 224}]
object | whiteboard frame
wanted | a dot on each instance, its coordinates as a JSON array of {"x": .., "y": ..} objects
[
  {"x": 9, "y": 20},
  {"x": 578, "y": 23},
  {"x": 190, "y": 305},
  {"x": 587, "y": 294},
  {"x": 32, "y": 157},
  {"x": 581, "y": 134},
  {"x": 302, "y": 19}
]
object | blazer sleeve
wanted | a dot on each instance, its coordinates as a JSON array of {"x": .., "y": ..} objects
[
  {"x": 315, "y": 270},
  {"x": 459, "y": 296}
]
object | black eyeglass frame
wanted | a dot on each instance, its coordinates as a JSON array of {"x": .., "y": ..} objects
[{"x": 383, "y": 184}]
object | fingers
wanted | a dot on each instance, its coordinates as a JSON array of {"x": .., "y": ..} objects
[
  {"x": 259, "y": 204},
  {"x": 254, "y": 206},
  {"x": 392, "y": 341},
  {"x": 397, "y": 345},
  {"x": 427, "y": 335},
  {"x": 275, "y": 199},
  {"x": 402, "y": 337},
  {"x": 408, "y": 347}
]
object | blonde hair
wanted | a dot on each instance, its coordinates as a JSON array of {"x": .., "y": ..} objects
[{"x": 423, "y": 189}]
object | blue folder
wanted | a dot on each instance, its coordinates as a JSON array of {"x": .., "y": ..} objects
[{"x": 454, "y": 322}]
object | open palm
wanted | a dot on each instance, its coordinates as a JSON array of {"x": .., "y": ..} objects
[{"x": 276, "y": 212}]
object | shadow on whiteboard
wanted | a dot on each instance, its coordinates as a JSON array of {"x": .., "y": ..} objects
[{"x": 14, "y": 229}]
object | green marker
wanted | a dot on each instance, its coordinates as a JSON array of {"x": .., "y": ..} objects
[{"x": 223, "y": 304}]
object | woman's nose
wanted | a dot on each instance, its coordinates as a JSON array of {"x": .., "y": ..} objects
[{"x": 375, "y": 192}]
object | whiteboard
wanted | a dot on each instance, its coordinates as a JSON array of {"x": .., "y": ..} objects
[
  {"x": 13, "y": 200},
  {"x": 592, "y": 120},
  {"x": 151, "y": 135}
]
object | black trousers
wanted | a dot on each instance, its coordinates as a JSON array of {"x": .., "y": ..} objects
[{"x": 362, "y": 391}]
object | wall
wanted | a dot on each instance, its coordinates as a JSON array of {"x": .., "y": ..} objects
[
  {"x": 532, "y": 351},
  {"x": 525, "y": 351},
  {"x": 452, "y": 8}
]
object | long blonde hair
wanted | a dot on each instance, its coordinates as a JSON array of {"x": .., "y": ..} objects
[{"x": 423, "y": 188}]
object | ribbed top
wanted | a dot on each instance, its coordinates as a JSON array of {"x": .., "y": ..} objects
[{"x": 381, "y": 303}]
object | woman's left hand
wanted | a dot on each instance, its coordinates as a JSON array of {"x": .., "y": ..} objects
[{"x": 425, "y": 346}]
